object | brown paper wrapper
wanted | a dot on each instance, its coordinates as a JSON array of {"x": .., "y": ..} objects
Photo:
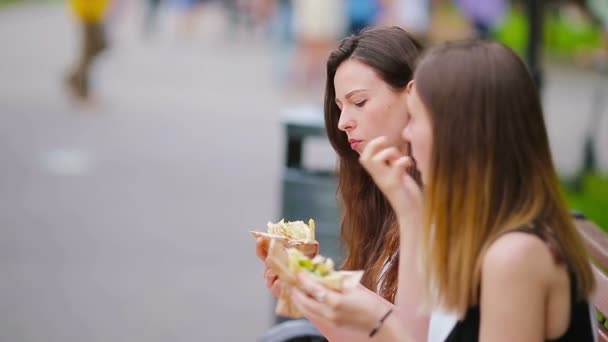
[
  {"x": 278, "y": 263},
  {"x": 310, "y": 248}
]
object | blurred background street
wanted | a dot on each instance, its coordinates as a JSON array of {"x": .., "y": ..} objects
[{"x": 125, "y": 217}]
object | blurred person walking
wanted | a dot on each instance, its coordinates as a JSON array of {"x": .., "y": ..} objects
[
  {"x": 413, "y": 16},
  {"x": 90, "y": 14},
  {"x": 318, "y": 24},
  {"x": 361, "y": 14},
  {"x": 151, "y": 16},
  {"x": 261, "y": 14},
  {"x": 234, "y": 15},
  {"x": 283, "y": 40},
  {"x": 483, "y": 15},
  {"x": 193, "y": 10},
  {"x": 599, "y": 8}
]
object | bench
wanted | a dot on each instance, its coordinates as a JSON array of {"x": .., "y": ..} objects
[{"x": 596, "y": 242}]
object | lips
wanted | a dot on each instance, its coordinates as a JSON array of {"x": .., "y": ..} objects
[{"x": 354, "y": 143}]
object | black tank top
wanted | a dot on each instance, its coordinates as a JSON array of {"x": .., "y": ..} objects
[{"x": 580, "y": 328}]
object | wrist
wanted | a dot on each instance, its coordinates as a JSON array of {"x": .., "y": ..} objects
[
  {"x": 380, "y": 322},
  {"x": 409, "y": 224}
]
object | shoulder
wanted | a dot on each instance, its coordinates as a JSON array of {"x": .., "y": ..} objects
[{"x": 518, "y": 256}]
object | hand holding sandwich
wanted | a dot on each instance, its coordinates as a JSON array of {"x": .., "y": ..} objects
[{"x": 295, "y": 234}]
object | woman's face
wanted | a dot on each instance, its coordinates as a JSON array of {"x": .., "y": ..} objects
[
  {"x": 369, "y": 106},
  {"x": 419, "y": 131}
]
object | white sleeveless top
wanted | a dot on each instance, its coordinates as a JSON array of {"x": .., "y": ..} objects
[{"x": 441, "y": 323}]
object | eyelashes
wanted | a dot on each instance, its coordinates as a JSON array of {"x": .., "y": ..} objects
[{"x": 361, "y": 103}]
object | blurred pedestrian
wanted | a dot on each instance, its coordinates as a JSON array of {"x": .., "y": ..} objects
[
  {"x": 90, "y": 14},
  {"x": 361, "y": 14},
  {"x": 599, "y": 8},
  {"x": 192, "y": 12},
  {"x": 318, "y": 24},
  {"x": 283, "y": 39},
  {"x": 413, "y": 16},
  {"x": 151, "y": 16},
  {"x": 483, "y": 15}
]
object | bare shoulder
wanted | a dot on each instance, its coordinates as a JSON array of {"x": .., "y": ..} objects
[{"x": 519, "y": 255}]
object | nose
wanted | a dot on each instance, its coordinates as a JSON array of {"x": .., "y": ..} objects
[{"x": 346, "y": 122}]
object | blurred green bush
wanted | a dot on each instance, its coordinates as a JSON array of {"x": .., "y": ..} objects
[
  {"x": 566, "y": 33},
  {"x": 592, "y": 199}
]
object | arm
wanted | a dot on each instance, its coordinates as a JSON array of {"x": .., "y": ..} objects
[
  {"x": 411, "y": 291},
  {"x": 349, "y": 315},
  {"x": 514, "y": 288},
  {"x": 388, "y": 167},
  {"x": 336, "y": 333}
]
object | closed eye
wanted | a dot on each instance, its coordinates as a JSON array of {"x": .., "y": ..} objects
[{"x": 361, "y": 103}]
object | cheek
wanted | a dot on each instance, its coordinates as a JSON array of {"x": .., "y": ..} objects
[
  {"x": 394, "y": 120},
  {"x": 377, "y": 120},
  {"x": 425, "y": 144},
  {"x": 419, "y": 142}
]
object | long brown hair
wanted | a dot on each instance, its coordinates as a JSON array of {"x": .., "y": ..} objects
[
  {"x": 369, "y": 231},
  {"x": 491, "y": 169}
]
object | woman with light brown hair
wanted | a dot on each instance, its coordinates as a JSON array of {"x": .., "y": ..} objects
[{"x": 496, "y": 245}]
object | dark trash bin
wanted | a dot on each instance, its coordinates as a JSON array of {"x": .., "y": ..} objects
[
  {"x": 308, "y": 193},
  {"x": 299, "y": 330}
]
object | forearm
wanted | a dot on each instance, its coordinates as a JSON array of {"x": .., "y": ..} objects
[
  {"x": 390, "y": 331},
  {"x": 337, "y": 334},
  {"x": 393, "y": 330},
  {"x": 411, "y": 293},
  {"x": 349, "y": 334}
]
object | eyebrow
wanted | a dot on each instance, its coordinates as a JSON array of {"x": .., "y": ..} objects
[
  {"x": 350, "y": 94},
  {"x": 354, "y": 92}
]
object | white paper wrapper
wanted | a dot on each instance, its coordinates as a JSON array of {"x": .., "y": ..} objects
[
  {"x": 310, "y": 248},
  {"x": 278, "y": 262}
]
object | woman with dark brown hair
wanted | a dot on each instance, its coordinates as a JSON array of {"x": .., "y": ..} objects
[
  {"x": 496, "y": 244},
  {"x": 365, "y": 93}
]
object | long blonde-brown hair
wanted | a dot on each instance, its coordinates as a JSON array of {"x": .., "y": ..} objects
[
  {"x": 491, "y": 168},
  {"x": 369, "y": 230}
]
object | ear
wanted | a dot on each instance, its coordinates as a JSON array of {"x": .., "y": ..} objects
[{"x": 409, "y": 87}]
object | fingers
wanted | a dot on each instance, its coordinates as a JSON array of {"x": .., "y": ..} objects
[
  {"x": 373, "y": 147},
  {"x": 270, "y": 278},
  {"x": 386, "y": 167},
  {"x": 308, "y": 306},
  {"x": 378, "y": 156},
  {"x": 403, "y": 163},
  {"x": 261, "y": 248},
  {"x": 386, "y": 156},
  {"x": 276, "y": 288},
  {"x": 315, "y": 290},
  {"x": 313, "y": 299},
  {"x": 401, "y": 167},
  {"x": 309, "y": 285}
]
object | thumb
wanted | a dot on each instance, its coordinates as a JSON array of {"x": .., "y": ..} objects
[{"x": 406, "y": 168}]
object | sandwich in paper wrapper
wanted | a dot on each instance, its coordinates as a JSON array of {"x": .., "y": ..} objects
[
  {"x": 287, "y": 262},
  {"x": 296, "y": 234}
]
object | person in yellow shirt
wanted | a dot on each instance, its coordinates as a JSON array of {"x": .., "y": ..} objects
[{"x": 90, "y": 14}]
